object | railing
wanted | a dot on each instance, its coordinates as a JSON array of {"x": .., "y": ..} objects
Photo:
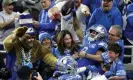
[
  {"x": 129, "y": 65},
  {"x": 130, "y": 56},
  {"x": 127, "y": 46}
]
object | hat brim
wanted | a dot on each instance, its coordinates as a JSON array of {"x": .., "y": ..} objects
[{"x": 31, "y": 33}]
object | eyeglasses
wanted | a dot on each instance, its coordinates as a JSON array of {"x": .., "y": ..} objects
[{"x": 113, "y": 35}]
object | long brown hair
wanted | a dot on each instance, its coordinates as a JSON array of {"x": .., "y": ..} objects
[{"x": 60, "y": 41}]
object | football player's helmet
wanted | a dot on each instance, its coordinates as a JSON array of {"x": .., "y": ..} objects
[
  {"x": 96, "y": 32},
  {"x": 67, "y": 64}
]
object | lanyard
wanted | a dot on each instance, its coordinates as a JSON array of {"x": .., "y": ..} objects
[{"x": 26, "y": 56}]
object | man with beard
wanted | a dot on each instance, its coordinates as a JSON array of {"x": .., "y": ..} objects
[
  {"x": 107, "y": 15},
  {"x": 7, "y": 18},
  {"x": 27, "y": 49}
]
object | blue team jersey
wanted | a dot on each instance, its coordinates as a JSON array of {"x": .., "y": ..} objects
[
  {"x": 91, "y": 48},
  {"x": 118, "y": 68},
  {"x": 107, "y": 59}
]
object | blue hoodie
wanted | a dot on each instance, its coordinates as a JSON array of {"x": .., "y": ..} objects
[
  {"x": 94, "y": 4},
  {"x": 112, "y": 17}
]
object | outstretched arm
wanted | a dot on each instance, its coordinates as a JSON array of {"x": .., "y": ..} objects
[
  {"x": 117, "y": 78},
  {"x": 90, "y": 56}
]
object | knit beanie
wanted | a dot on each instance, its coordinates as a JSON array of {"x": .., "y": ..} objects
[{"x": 44, "y": 35}]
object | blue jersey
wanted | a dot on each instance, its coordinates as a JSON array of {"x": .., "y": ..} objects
[
  {"x": 107, "y": 59},
  {"x": 118, "y": 68},
  {"x": 112, "y": 17},
  {"x": 91, "y": 48}
]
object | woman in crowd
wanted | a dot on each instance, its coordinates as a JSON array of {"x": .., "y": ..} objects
[{"x": 66, "y": 44}]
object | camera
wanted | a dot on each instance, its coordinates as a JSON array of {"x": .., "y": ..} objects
[
  {"x": 5, "y": 73},
  {"x": 34, "y": 73}
]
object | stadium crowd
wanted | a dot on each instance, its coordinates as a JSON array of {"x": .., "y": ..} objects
[{"x": 69, "y": 40}]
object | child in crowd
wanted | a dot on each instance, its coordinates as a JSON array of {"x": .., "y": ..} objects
[
  {"x": 117, "y": 71},
  {"x": 46, "y": 40}
]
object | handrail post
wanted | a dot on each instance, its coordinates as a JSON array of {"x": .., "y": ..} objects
[{"x": 132, "y": 55}]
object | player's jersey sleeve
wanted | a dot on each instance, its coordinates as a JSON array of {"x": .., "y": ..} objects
[
  {"x": 120, "y": 69},
  {"x": 105, "y": 57},
  {"x": 102, "y": 46}
]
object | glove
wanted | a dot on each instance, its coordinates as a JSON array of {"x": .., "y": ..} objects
[
  {"x": 67, "y": 8},
  {"x": 108, "y": 74},
  {"x": 20, "y": 31},
  {"x": 107, "y": 66},
  {"x": 92, "y": 68}
]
